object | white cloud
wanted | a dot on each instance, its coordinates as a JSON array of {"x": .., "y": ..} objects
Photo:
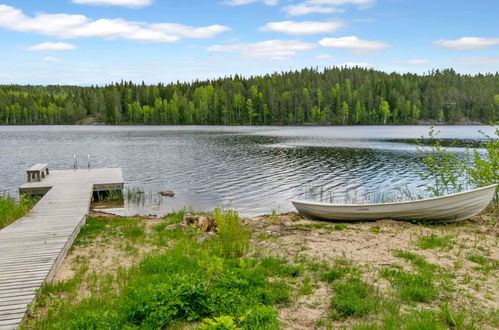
[
  {"x": 247, "y": 2},
  {"x": 418, "y": 61},
  {"x": 79, "y": 26},
  {"x": 324, "y": 6},
  {"x": 271, "y": 49},
  {"x": 356, "y": 45},
  {"x": 466, "y": 43},
  {"x": 299, "y": 28},
  {"x": 51, "y": 46},
  {"x": 189, "y": 31},
  {"x": 324, "y": 57},
  {"x": 305, "y": 9},
  {"x": 51, "y": 59},
  {"x": 478, "y": 61},
  {"x": 361, "y": 3},
  {"x": 124, "y": 3}
]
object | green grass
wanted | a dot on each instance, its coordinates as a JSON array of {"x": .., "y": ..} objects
[
  {"x": 433, "y": 241},
  {"x": 375, "y": 229},
  {"x": 418, "y": 287},
  {"x": 190, "y": 282},
  {"x": 12, "y": 209},
  {"x": 233, "y": 237},
  {"x": 417, "y": 261},
  {"x": 486, "y": 264},
  {"x": 130, "y": 230},
  {"x": 354, "y": 298}
]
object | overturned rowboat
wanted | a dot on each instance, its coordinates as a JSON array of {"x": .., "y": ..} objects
[{"x": 450, "y": 208}]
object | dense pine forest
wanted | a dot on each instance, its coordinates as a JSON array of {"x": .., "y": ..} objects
[{"x": 337, "y": 96}]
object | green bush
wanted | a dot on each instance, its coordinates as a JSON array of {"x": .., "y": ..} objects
[
  {"x": 485, "y": 170},
  {"x": 11, "y": 209},
  {"x": 189, "y": 282},
  {"x": 450, "y": 173},
  {"x": 233, "y": 237}
]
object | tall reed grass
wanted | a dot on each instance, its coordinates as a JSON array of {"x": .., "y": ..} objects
[{"x": 12, "y": 209}]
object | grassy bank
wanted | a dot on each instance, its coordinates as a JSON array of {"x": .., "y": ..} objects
[
  {"x": 12, "y": 209},
  {"x": 271, "y": 272}
]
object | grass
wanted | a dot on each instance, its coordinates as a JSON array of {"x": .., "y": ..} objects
[
  {"x": 129, "y": 230},
  {"x": 486, "y": 264},
  {"x": 328, "y": 228},
  {"x": 434, "y": 241},
  {"x": 12, "y": 209},
  {"x": 233, "y": 237},
  {"x": 410, "y": 286},
  {"x": 425, "y": 284},
  {"x": 210, "y": 282},
  {"x": 179, "y": 282},
  {"x": 354, "y": 298}
]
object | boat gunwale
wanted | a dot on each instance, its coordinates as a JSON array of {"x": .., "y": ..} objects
[{"x": 393, "y": 203}]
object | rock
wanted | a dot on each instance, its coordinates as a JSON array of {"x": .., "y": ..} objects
[
  {"x": 167, "y": 193},
  {"x": 204, "y": 223}
]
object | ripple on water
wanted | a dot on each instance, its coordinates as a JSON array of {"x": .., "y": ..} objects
[{"x": 254, "y": 169}]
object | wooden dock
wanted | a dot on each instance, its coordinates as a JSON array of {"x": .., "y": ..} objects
[{"x": 33, "y": 247}]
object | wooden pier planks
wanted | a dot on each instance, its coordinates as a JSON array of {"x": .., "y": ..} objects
[{"x": 33, "y": 247}]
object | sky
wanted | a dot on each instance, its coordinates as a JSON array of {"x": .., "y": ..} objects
[{"x": 85, "y": 42}]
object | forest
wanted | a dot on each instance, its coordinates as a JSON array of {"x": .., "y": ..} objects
[{"x": 333, "y": 96}]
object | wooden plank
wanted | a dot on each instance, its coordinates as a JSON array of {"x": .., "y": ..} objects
[{"x": 32, "y": 248}]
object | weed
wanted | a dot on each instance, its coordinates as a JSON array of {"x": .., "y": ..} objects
[
  {"x": 340, "y": 226},
  {"x": 417, "y": 287},
  {"x": 486, "y": 264},
  {"x": 11, "y": 209},
  {"x": 354, "y": 297},
  {"x": 306, "y": 286},
  {"x": 375, "y": 229},
  {"x": 279, "y": 268},
  {"x": 417, "y": 261},
  {"x": 433, "y": 241},
  {"x": 233, "y": 237}
]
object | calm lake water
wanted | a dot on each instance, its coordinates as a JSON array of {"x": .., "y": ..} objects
[{"x": 253, "y": 169}]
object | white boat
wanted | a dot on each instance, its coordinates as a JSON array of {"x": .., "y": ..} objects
[{"x": 450, "y": 208}]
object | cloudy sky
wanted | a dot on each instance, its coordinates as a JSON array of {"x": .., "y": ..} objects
[{"x": 101, "y": 41}]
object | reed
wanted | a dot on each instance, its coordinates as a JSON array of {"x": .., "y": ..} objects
[{"x": 12, "y": 209}]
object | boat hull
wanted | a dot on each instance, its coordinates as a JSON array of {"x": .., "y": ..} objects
[{"x": 450, "y": 208}]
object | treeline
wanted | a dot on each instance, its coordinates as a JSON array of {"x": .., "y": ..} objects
[{"x": 339, "y": 96}]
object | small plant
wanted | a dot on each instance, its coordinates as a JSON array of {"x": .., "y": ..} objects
[
  {"x": 485, "y": 169},
  {"x": 354, "y": 297},
  {"x": 375, "y": 229},
  {"x": 433, "y": 241},
  {"x": 444, "y": 169},
  {"x": 412, "y": 286},
  {"x": 340, "y": 226},
  {"x": 12, "y": 209},
  {"x": 219, "y": 323},
  {"x": 233, "y": 237}
]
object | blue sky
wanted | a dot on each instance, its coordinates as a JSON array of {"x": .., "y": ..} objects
[{"x": 101, "y": 41}]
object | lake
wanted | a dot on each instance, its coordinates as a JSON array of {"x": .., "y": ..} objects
[{"x": 256, "y": 170}]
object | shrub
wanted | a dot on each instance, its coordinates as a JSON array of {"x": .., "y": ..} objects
[
  {"x": 233, "y": 237},
  {"x": 11, "y": 209}
]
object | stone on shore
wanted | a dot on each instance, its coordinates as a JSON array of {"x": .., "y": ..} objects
[{"x": 167, "y": 193}]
